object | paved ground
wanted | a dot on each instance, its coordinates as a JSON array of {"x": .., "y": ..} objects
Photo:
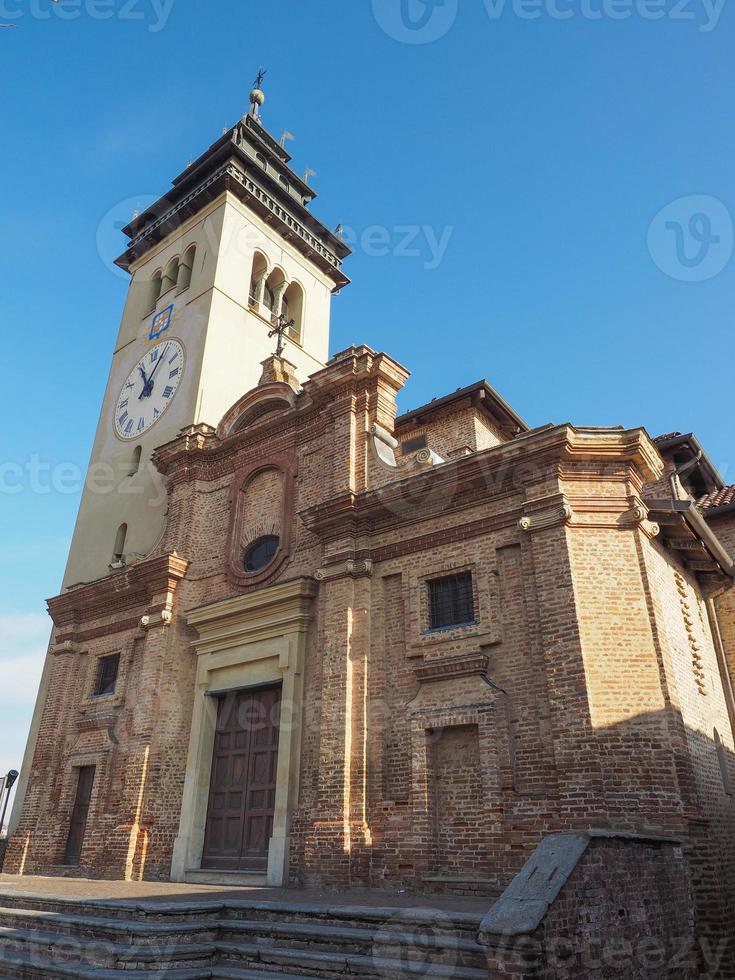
[{"x": 148, "y": 891}]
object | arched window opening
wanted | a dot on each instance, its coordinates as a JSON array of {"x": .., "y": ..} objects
[
  {"x": 135, "y": 461},
  {"x": 154, "y": 291},
  {"x": 257, "y": 279},
  {"x": 275, "y": 287},
  {"x": 170, "y": 276},
  {"x": 261, "y": 553},
  {"x": 186, "y": 268},
  {"x": 722, "y": 758},
  {"x": 118, "y": 555},
  {"x": 261, "y": 160},
  {"x": 269, "y": 299},
  {"x": 293, "y": 309},
  {"x": 285, "y": 183}
]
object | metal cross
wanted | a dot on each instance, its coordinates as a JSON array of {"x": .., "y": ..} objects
[
  {"x": 258, "y": 83},
  {"x": 281, "y": 325}
]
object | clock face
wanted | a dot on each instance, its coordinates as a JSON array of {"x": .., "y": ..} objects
[{"x": 149, "y": 390}]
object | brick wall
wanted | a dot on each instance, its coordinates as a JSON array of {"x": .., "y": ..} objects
[
  {"x": 625, "y": 910},
  {"x": 585, "y": 690}
]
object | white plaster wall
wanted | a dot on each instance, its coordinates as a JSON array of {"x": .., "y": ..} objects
[{"x": 225, "y": 344}]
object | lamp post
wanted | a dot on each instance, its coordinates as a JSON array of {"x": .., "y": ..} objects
[{"x": 8, "y": 783}]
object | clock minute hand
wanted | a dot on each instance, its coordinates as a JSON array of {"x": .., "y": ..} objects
[{"x": 158, "y": 362}]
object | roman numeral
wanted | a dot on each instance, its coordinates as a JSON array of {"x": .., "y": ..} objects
[
  {"x": 156, "y": 413},
  {"x": 154, "y": 357},
  {"x": 172, "y": 374},
  {"x": 141, "y": 424},
  {"x": 122, "y": 418},
  {"x": 124, "y": 404},
  {"x": 130, "y": 385},
  {"x": 172, "y": 359},
  {"x": 168, "y": 391},
  {"x": 129, "y": 427}
]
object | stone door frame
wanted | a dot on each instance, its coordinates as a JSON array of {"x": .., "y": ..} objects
[{"x": 247, "y": 641}]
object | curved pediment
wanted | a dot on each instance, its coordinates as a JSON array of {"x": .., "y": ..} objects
[{"x": 274, "y": 398}]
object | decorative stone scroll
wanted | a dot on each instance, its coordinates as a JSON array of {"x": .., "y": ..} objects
[
  {"x": 68, "y": 646},
  {"x": 152, "y": 620},
  {"x": 346, "y": 569},
  {"x": 638, "y": 517},
  {"x": 561, "y": 514}
]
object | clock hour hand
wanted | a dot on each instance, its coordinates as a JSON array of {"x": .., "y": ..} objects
[{"x": 146, "y": 384}]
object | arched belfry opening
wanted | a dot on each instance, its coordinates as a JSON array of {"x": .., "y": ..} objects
[
  {"x": 292, "y": 308},
  {"x": 258, "y": 277}
]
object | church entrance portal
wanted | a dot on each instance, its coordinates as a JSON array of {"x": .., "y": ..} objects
[{"x": 242, "y": 794}]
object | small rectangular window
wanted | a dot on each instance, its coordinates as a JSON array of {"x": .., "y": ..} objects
[
  {"x": 107, "y": 675},
  {"x": 451, "y": 601}
]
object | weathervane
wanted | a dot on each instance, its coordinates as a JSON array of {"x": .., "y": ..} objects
[{"x": 281, "y": 325}]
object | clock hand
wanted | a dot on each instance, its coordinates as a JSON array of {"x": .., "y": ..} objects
[
  {"x": 146, "y": 384},
  {"x": 158, "y": 362}
]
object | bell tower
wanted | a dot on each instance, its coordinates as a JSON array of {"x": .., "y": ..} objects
[{"x": 230, "y": 254}]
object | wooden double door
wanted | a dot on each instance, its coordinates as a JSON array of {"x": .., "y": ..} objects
[{"x": 242, "y": 792}]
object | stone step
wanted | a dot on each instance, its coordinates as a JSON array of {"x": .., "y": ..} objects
[
  {"x": 108, "y": 929},
  {"x": 327, "y": 964},
  {"x": 242, "y": 973},
  {"x": 154, "y": 911},
  {"x": 435, "y": 917},
  {"x": 84, "y": 951},
  {"x": 243, "y": 939},
  {"x": 391, "y": 940},
  {"x": 439, "y": 920},
  {"x": 34, "y": 967},
  {"x": 391, "y": 935}
]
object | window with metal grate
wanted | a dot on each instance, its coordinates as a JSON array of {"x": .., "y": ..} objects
[
  {"x": 451, "y": 601},
  {"x": 107, "y": 668}
]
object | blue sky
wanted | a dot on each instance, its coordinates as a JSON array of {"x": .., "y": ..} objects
[{"x": 540, "y": 192}]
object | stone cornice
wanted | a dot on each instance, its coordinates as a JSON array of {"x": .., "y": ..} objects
[
  {"x": 267, "y": 613},
  {"x": 359, "y": 362},
  {"x": 277, "y": 395},
  {"x": 200, "y": 451},
  {"x": 535, "y": 457},
  {"x": 473, "y": 664},
  {"x": 237, "y": 174},
  {"x": 153, "y": 578}
]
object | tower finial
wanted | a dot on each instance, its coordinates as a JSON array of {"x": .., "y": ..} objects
[{"x": 257, "y": 96}]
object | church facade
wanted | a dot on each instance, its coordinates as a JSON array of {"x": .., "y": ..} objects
[{"x": 310, "y": 640}]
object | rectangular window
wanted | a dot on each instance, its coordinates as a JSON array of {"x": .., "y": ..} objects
[
  {"x": 451, "y": 601},
  {"x": 106, "y": 675}
]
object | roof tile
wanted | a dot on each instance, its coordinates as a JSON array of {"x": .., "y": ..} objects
[{"x": 718, "y": 498}]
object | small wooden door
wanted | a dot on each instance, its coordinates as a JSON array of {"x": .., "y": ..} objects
[
  {"x": 85, "y": 781},
  {"x": 242, "y": 792}
]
